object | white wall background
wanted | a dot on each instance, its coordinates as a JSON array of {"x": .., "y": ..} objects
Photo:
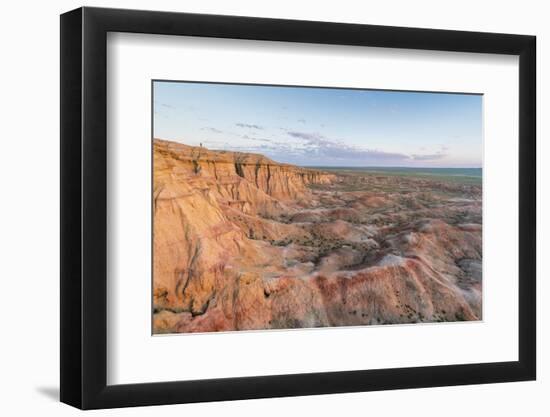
[{"x": 29, "y": 225}]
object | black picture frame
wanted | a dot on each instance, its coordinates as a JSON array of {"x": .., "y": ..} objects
[{"x": 84, "y": 207}]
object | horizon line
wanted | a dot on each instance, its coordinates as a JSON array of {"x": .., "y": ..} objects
[
  {"x": 387, "y": 166},
  {"x": 153, "y": 138}
]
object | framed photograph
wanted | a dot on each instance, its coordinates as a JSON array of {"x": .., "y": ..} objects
[{"x": 257, "y": 207}]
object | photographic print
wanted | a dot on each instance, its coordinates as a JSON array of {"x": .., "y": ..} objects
[{"x": 286, "y": 207}]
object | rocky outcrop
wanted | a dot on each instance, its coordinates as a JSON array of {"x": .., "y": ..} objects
[
  {"x": 279, "y": 181},
  {"x": 242, "y": 242},
  {"x": 208, "y": 208}
]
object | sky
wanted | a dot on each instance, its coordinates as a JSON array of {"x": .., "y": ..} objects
[{"x": 311, "y": 126}]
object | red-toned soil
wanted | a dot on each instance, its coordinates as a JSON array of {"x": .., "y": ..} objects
[{"x": 242, "y": 242}]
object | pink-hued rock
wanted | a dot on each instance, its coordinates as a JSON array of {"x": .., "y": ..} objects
[{"x": 244, "y": 243}]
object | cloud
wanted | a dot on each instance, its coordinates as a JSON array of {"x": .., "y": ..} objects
[
  {"x": 442, "y": 153},
  {"x": 431, "y": 157},
  {"x": 317, "y": 145},
  {"x": 249, "y": 126},
  {"x": 302, "y": 121},
  {"x": 307, "y": 136},
  {"x": 212, "y": 129},
  {"x": 313, "y": 148},
  {"x": 168, "y": 106},
  {"x": 256, "y": 138}
]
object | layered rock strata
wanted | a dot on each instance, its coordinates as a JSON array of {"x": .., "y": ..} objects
[{"x": 242, "y": 242}]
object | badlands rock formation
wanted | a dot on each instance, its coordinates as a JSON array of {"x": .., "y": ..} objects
[{"x": 242, "y": 242}]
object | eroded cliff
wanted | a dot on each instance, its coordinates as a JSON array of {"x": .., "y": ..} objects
[{"x": 242, "y": 242}]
